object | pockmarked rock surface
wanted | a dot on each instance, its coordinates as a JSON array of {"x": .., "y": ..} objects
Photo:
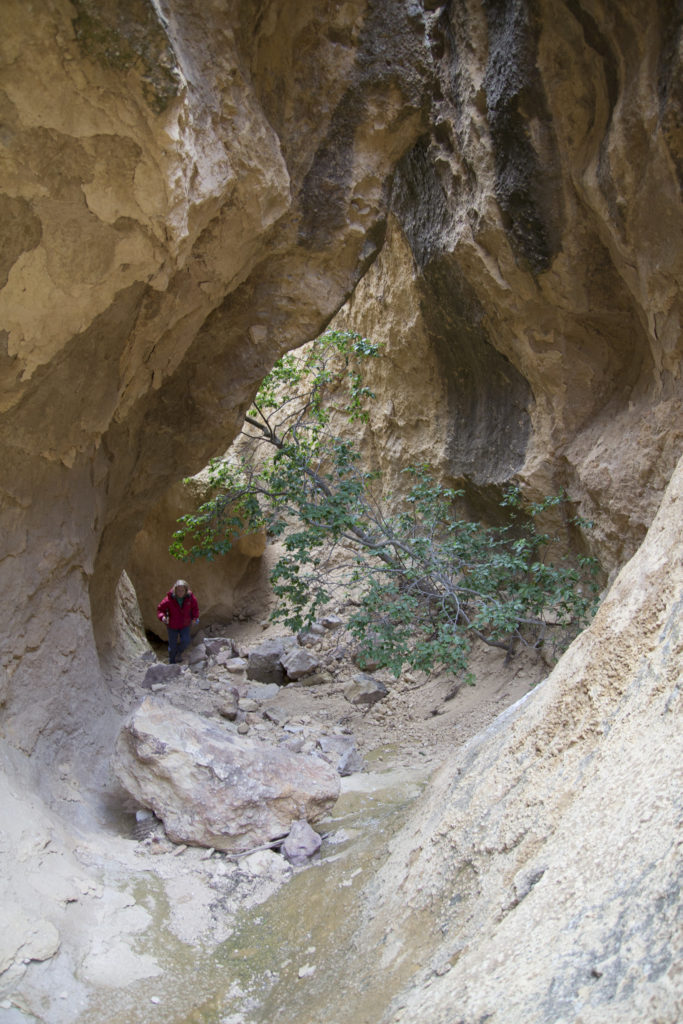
[
  {"x": 184, "y": 196},
  {"x": 214, "y": 788}
]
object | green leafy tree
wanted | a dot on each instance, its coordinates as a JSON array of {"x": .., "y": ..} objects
[{"x": 422, "y": 583}]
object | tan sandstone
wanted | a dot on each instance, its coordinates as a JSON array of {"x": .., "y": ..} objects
[{"x": 184, "y": 195}]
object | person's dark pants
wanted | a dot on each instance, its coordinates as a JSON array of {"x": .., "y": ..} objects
[{"x": 178, "y": 640}]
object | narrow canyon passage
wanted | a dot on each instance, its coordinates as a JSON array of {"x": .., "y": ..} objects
[{"x": 490, "y": 191}]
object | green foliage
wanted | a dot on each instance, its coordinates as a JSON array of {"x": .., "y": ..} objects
[{"x": 423, "y": 583}]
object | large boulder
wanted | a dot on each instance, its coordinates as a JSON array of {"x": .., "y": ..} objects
[{"x": 211, "y": 787}]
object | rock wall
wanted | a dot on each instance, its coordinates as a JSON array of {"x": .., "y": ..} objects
[
  {"x": 541, "y": 879},
  {"x": 185, "y": 195},
  {"x": 235, "y": 584},
  {"x": 527, "y": 294}
]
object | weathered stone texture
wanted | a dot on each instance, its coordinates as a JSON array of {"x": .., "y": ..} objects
[
  {"x": 186, "y": 193},
  {"x": 561, "y": 896},
  {"x": 177, "y": 228},
  {"x": 542, "y": 213},
  {"x": 213, "y": 788}
]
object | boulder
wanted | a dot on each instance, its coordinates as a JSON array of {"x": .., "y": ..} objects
[
  {"x": 298, "y": 662},
  {"x": 264, "y": 664},
  {"x": 301, "y": 844},
  {"x": 365, "y": 689},
  {"x": 213, "y": 788}
]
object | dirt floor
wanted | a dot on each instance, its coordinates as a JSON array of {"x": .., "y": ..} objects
[{"x": 420, "y": 720}]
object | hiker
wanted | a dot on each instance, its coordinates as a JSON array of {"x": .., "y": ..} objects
[{"x": 177, "y": 611}]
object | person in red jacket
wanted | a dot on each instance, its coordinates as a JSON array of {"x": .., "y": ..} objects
[{"x": 177, "y": 611}]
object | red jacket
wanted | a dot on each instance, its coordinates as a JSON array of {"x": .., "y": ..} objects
[{"x": 178, "y": 617}]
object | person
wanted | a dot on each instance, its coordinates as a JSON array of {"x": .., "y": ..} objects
[{"x": 178, "y": 610}]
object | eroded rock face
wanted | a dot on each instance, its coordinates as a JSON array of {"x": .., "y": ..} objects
[
  {"x": 185, "y": 195},
  {"x": 527, "y": 288},
  {"x": 558, "y": 829},
  {"x": 211, "y": 787},
  {"x": 234, "y": 583}
]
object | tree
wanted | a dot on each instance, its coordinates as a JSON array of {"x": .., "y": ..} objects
[{"x": 422, "y": 582}]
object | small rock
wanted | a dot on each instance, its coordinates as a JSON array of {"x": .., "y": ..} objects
[
  {"x": 262, "y": 691},
  {"x": 218, "y": 646},
  {"x": 310, "y": 636},
  {"x": 297, "y": 662},
  {"x": 227, "y": 707},
  {"x": 342, "y": 753},
  {"x": 160, "y": 673},
  {"x": 247, "y": 704},
  {"x": 365, "y": 689},
  {"x": 316, "y": 679},
  {"x": 332, "y": 622},
  {"x": 367, "y": 664},
  {"x": 276, "y": 715},
  {"x": 293, "y": 743},
  {"x": 301, "y": 844},
  {"x": 307, "y": 970},
  {"x": 243, "y": 728},
  {"x": 231, "y": 663}
]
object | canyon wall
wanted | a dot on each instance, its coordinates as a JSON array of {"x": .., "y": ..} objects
[
  {"x": 186, "y": 195},
  {"x": 527, "y": 295}
]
